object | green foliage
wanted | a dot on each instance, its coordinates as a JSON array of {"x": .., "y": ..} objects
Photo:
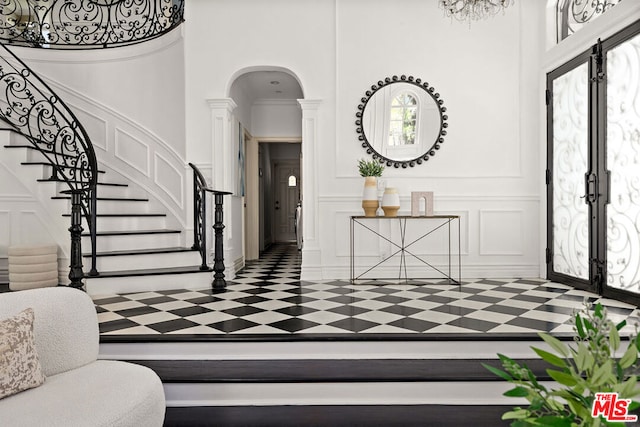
[
  {"x": 370, "y": 168},
  {"x": 587, "y": 367}
]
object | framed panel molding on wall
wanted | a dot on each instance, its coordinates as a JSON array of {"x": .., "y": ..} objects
[
  {"x": 169, "y": 179},
  {"x": 132, "y": 151},
  {"x": 501, "y": 232}
]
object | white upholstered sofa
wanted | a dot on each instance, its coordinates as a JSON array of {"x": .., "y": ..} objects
[{"x": 79, "y": 390}]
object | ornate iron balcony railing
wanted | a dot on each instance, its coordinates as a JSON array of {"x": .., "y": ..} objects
[
  {"x": 86, "y": 24},
  {"x": 30, "y": 108}
]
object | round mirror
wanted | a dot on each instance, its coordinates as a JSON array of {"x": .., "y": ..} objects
[{"x": 401, "y": 121}]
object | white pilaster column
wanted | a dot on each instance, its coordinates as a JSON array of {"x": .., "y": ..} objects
[
  {"x": 222, "y": 169},
  {"x": 311, "y": 254},
  {"x": 222, "y": 144}
]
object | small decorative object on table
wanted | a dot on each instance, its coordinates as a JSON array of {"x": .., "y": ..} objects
[
  {"x": 416, "y": 196},
  {"x": 370, "y": 170},
  {"x": 390, "y": 202}
]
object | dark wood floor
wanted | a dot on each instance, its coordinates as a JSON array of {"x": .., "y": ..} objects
[{"x": 337, "y": 416}]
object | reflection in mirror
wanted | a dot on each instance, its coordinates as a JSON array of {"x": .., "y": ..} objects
[{"x": 401, "y": 121}]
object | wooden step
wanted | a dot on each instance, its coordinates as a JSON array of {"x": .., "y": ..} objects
[
  {"x": 51, "y": 165},
  {"x": 150, "y": 272},
  {"x": 117, "y": 282},
  {"x": 116, "y": 240},
  {"x": 144, "y": 259}
]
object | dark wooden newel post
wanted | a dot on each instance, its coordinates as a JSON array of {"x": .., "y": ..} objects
[
  {"x": 75, "y": 273},
  {"x": 218, "y": 284}
]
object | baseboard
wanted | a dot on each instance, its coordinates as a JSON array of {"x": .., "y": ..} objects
[{"x": 339, "y": 415}]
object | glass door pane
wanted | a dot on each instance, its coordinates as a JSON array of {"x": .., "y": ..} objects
[
  {"x": 623, "y": 162},
  {"x": 570, "y": 147}
]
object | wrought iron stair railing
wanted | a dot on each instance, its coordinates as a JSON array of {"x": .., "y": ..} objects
[
  {"x": 30, "y": 108},
  {"x": 200, "y": 190},
  {"x": 82, "y": 24}
]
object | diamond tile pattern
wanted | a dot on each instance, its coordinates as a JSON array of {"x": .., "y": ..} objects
[{"x": 268, "y": 298}]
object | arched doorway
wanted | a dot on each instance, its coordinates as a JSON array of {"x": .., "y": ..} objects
[{"x": 270, "y": 130}]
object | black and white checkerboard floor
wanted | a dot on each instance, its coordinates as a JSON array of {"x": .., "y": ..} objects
[{"x": 267, "y": 298}]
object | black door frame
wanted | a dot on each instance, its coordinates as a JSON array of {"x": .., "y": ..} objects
[{"x": 597, "y": 177}]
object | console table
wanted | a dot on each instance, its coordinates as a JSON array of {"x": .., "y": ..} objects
[{"x": 403, "y": 243}]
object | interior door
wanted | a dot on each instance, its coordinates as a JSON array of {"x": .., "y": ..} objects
[
  {"x": 287, "y": 186},
  {"x": 593, "y": 175}
]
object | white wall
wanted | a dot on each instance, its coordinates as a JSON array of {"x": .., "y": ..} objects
[
  {"x": 488, "y": 168},
  {"x": 276, "y": 118}
]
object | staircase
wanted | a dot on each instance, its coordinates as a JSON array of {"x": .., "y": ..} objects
[
  {"x": 136, "y": 248},
  {"x": 293, "y": 382}
]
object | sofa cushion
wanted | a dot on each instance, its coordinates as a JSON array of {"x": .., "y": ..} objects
[
  {"x": 65, "y": 326},
  {"x": 103, "y": 393},
  {"x": 19, "y": 364}
]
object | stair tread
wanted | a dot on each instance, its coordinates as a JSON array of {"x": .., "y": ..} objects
[
  {"x": 143, "y": 251},
  {"x": 49, "y": 164},
  {"x": 111, "y": 184},
  {"x": 126, "y": 215},
  {"x": 151, "y": 272},
  {"x": 31, "y": 147},
  {"x": 128, "y": 232},
  {"x": 104, "y": 199}
]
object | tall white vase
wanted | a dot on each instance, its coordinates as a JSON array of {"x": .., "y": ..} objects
[
  {"x": 370, "y": 202},
  {"x": 390, "y": 202}
]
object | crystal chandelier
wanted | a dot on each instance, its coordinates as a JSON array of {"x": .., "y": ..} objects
[{"x": 473, "y": 10}]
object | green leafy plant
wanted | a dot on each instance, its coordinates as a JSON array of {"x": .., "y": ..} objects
[
  {"x": 587, "y": 367},
  {"x": 370, "y": 168}
]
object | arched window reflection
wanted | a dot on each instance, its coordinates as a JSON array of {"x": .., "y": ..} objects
[{"x": 402, "y": 120}]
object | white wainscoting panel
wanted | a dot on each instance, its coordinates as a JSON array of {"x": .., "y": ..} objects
[
  {"x": 501, "y": 232},
  {"x": 95, "y": 126},
  {"x": 169, "y": 179},
  {"x": 498, "y": 237},
  {"x": 132, "y": 151},
  {"x": 5, "y": 231}
]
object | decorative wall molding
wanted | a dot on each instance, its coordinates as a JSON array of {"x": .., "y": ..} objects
[
  {"x": 508, "y": 221},
  {"x": 132, "y": 151},
  {"x": 342, "y": 233},
  {"x": 276, "y": 102},
  {"x": 162, "y": 170},
  {"x": 441, "y": 197},
  {"x": 220, "y": 111},
  {"x": 94, "y": 125},
  {"x": 77, "y": 98},
  {"x": 116, "y": 124}
]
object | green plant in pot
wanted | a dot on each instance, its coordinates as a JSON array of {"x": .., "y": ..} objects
[
  {"x": 370, "y": 170},
  {"x": 584, "y": 370}
]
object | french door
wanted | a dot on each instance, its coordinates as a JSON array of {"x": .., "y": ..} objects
[{"x": 593, "y": 169}]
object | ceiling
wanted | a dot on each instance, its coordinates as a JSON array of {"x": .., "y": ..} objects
[{"x": 269, "y": 85}]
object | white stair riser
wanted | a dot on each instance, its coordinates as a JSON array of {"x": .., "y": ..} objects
[
  {"x": 130, "y": 223},
  {"x": 116, "y": 285},
  {"x": 120, "y": 206},
  {"x": 146, "y": 261},
  {"x": 340, "y": 393},
  {"x": 131, "y": 242},
  {"x": 117, "y": 191}
]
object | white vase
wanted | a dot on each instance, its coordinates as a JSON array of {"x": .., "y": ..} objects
[
  {"x": 370, "y": 202},
  {"x": 390, "y": 202}
]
